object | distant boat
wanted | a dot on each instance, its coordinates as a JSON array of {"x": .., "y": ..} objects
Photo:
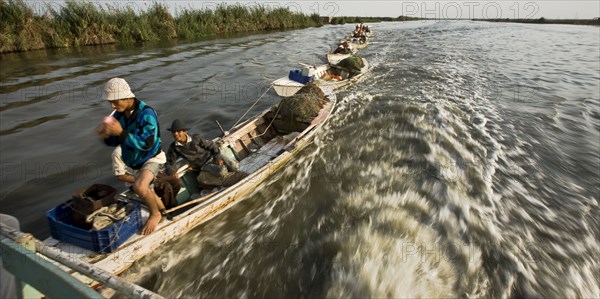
[
  {"x": 335, "y": 58},
  {"x": 358, "y": 45},
  {"x": 287, "y": 87},
  {"x": 357, "y": 42}
]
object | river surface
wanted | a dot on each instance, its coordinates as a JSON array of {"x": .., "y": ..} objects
[{"x": 466, "y": 164}]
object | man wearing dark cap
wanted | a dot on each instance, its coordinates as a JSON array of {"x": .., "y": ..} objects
[
  {"x": 201, "y": 154},
  {"x": 343, "y": 48}
]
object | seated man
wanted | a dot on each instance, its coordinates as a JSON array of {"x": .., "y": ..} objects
[
  {"x": 343, "y": 48},
  {"x": 201, "y": 154},
  {"x": 363, "y": 38},
  {"x": 164, "y": 186}
]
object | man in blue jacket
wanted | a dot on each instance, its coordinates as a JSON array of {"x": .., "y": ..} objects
[{"x": 134, "y": 126}]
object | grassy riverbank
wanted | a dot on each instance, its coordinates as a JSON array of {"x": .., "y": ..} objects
[{"x": 84, "y": 23}]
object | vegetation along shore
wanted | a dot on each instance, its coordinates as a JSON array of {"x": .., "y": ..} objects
[
  {"x": 542, "y": 20},
  {"x": 80, "y": 23}
]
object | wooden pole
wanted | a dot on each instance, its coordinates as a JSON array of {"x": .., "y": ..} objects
[
  {"x": 191, "y": 202},
  {"x": 221, "y": 128}
]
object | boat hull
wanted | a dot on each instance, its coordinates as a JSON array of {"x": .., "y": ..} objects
[
  {"x": 360, "y": 46},
  {"x": 336, "y": 58},
  {"x": 285, "y": 87}
]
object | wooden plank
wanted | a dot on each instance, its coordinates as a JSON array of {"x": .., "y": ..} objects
[
  {"x": 246, "y": 142},
  {"x": 41, "y": 274},
  {"x": 252, "y": 134},
  {"x": 191, "y": 202},
  {"x": 238, "y": 149},
  {"x": 262, "y": 156},
  {"x": 246, "y": 128},
  {"x": 246, "y": 150}
]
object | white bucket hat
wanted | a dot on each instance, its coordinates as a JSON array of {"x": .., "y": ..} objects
[{"x": 116, "y": 89}]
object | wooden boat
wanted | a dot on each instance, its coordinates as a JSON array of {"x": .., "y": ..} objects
[
  {"x": 356, "y": 42},
  {"x": 358, "y": 45},
  {"x": 335, "y": 58},
  {"x": 260, "y": 149},
  {"x": 286, "y": 87}
]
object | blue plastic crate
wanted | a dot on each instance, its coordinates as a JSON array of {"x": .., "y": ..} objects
[
  {"x": 296, "y": 75},
  {"x": 101, "y": 241}
]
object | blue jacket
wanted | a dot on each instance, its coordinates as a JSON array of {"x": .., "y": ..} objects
[{"x": 140, "y": 139}]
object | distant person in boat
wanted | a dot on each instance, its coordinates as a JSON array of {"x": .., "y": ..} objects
[
  {"x": 363, "y": 37},
  {"x": 340, "y": 50},
  {"x": 201, "y": 154},
  {"x": 134, "y": 126},
  {"x": 343, "y": 48}
]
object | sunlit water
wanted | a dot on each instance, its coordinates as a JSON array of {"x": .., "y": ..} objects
[{"x": 465, "y": 164}]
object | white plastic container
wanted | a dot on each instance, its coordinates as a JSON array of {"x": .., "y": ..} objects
[{"x": 308, "y": 71}]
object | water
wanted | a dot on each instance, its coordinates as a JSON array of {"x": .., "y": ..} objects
[{"x": 465, "y": 164}]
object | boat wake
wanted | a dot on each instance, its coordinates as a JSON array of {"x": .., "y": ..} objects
[
  {"x": 439, "y": 194},
  {"x": 426, "y": 182},
  {"x": 408, "y": 229},
  {"x": 241, "y": 236}
]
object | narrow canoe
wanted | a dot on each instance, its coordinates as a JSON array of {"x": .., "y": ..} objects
[
  {"x": 359, "y": 46},
  {"x": 260, "y": 149},
  {"x": 286, "y": 87},
  {"x": 336, "y": 58}
]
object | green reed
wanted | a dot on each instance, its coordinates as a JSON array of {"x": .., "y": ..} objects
[{"x": 82, "y": 23}]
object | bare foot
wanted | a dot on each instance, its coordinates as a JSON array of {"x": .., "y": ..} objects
[{"x": 151, "y": 224}]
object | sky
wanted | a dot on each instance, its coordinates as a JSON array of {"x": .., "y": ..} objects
[{"x": 526, "y": 9}]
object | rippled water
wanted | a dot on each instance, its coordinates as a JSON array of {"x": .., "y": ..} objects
[{"x": 465, "y": 164}]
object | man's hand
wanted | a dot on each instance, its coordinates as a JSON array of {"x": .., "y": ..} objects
[
  {"x": 113, "y": 127},
  {"x": 220, "y": 162},
  {"x": 101, "y": 131},
  {"x": 175, "y": 176}
]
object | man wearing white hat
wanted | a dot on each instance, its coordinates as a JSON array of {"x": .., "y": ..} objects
[{"x": 133, "y": 126}]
